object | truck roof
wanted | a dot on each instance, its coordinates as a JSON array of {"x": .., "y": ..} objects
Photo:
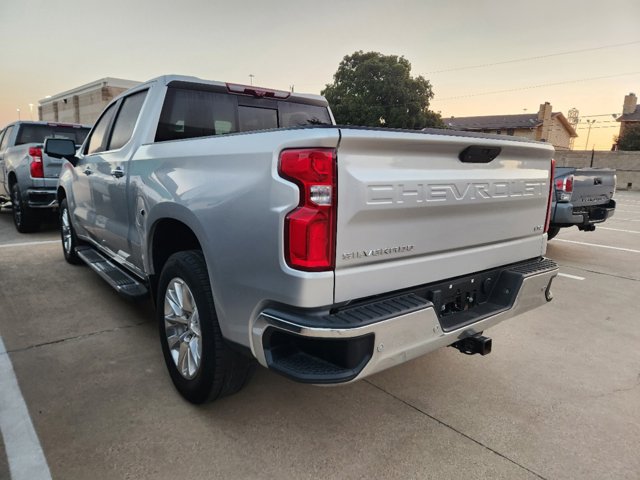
[
  {"x": 167, "y": 79},
  {"x": 40, "y": 122}
]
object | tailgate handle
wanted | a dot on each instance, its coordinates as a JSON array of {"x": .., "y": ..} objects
[{"x": 479, "y": 154}]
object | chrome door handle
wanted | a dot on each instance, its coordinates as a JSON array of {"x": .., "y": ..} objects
[
  {"x": 117, "y": 172},
  {"x": 87, "y": 171}
]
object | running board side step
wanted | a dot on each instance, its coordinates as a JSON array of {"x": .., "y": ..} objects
[{"x": 114, "y": 275}]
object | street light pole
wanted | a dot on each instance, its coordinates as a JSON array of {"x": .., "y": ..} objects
[
  {"x": 31, "y": 111},
  {"x": 251, "y": 75},
  {"x": 590, "y": 123},
  {"x": 18, "y": 110}
]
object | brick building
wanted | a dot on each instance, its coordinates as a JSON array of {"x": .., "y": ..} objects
[
  {"x": 82, "y": 104},
  {"x": 546, "y": 126},
  {"x": 630, "y": 112}
]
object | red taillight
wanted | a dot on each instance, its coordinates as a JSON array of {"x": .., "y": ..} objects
[
  {"x": 35, "y": 167},
  {"x": 551, "y": 174},
  {"x": 568, "y": 184},
  {"x": 310, "y": 228},
  {"x": 565, "y": 184}
]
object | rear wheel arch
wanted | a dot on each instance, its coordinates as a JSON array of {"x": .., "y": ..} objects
[
  {"x": 202, "y": 366},
  {"x": 61, "y": 194},
  {"x": 12, "y": 179},
  {"x": 168, "y": 236}
]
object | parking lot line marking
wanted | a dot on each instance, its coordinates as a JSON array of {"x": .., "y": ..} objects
[
  {"x": 627, "y": 211},
  {"x": 574, "y": 277},
  {"x": 624, "y": 219},
  {"x": 25, "y": 244},
  {"x": 24, "y": 452},
  {"x": 618, "y": 230},
  {"x": 596, "y": 245}
]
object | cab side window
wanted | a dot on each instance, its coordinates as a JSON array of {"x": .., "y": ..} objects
[
  {"x": 194, "y": 113},
  {"x": 5, "y": 139},
  {"x": 126, "y": 120},
  {"x": 97, "y": 140}
]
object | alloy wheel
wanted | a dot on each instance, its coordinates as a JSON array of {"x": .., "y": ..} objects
[
  {"x": 67, "y": 241},
  {"x": 182, "y": 328}
]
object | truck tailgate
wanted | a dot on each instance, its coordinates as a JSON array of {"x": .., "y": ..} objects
[
  {"x": 593, "y": 186},
  {"x": 51, "y": 166},
  {"x": 411, "y": 212}
]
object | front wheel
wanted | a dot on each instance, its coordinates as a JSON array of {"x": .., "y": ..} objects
[
  {"x": 68, "y": 235},
  {"x": 202, "y": 366}
]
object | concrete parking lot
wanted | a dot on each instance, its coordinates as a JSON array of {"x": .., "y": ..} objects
[{"x": 558, "y": 398}]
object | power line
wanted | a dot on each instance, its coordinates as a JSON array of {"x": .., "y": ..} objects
[
  {"x": 537, "y": 57},
  {"x": 608, "y": 126},
  {"x": 615, "y": 115},
  {"x": 530, "y": 87}
]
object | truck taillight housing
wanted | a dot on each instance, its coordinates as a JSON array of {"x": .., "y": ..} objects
[
  {"x": 35, "y": 167},
  {"x": 551, "y": 175},
  {"x": 310, "y": 229},
  {"x": 564, "y": 188}
]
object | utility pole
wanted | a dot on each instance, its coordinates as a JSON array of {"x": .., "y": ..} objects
[
  {"x": 251, "y": 75},
  {"x": 590, "y": 123}
]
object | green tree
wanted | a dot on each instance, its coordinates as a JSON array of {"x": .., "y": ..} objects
[
  {"x": 630, "y": 139},
  {"x": 376, "y": 90}
]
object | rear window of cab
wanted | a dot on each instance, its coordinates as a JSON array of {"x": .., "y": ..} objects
[{"x": 190, "y": 113}]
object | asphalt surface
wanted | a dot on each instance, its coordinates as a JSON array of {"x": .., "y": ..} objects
[{"x": 558, "y": 398}]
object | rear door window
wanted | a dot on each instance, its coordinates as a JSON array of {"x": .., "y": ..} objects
[
  {"x": 126, "y": 120},
  {"x": 5, "y": 139},
  {"x": 98, "y": 136}
]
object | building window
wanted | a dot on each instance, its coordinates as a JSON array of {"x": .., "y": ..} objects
[
  {"x": 510, "y": 131},
  {"x": 498, "y": 132}
]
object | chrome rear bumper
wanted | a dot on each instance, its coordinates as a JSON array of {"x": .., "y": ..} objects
[{"x": 394, "y": 340}]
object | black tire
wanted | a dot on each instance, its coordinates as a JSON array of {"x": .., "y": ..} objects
[
  {"x": 222, "y": 371},
  {"x": 66, "y": 230},
  {"x": 24, "y": 218},
  {"x": 552, "y": 232}
]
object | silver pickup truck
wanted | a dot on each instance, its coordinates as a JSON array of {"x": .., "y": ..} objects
[
  {"x": 582, "y": 197},
  {"x": 327, "y": 253},
  {"x": 27, "y": 176}
]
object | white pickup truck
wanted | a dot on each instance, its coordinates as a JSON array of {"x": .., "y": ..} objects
[{"x": 265, "y": 232}]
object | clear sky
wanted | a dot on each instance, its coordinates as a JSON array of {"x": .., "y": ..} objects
[{"x": 52, "y": 46}]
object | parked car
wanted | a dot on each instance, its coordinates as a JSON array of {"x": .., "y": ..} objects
[
  {"x": 326, "y": 253},
  {"x": 27, "y": 176},
  {"x": 583, "y": 197}
]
